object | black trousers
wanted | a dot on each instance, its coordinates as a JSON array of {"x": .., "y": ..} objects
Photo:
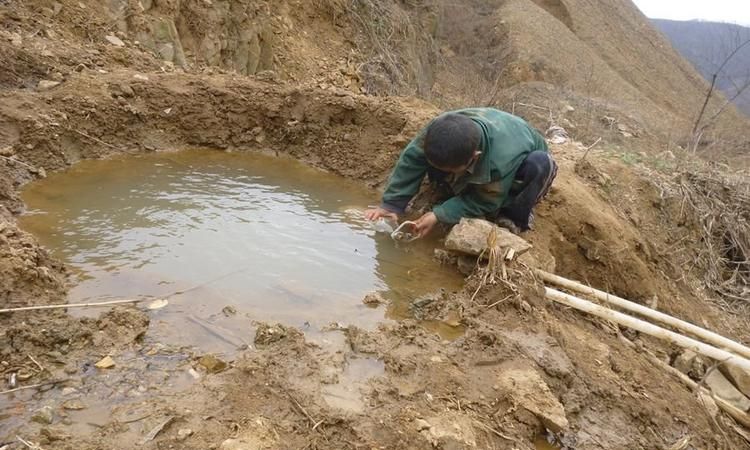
[{"x": 531, "y": 183}]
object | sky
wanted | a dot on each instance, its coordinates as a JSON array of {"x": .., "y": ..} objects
[{"x": 734, "y": 11}]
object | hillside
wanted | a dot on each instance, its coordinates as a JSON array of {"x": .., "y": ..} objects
[{"x": 706, "y": 45}]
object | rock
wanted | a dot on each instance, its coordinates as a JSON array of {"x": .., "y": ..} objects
[
  {"x": 691, "y": 364},
  {"x": 229, "y": 310},
  {"x": 422, "y": 424},
  {"x": 114, "y": 40},
  {"x": 7, "y": 151},
  {"x": 527, "y": 389},
  {"x": 74, "y": 405},
  {"x": 212, "y": 364},
  {"x": 140, "y": 77},
  {"x": 53, "y": 434},
  {"x": 43, "y": 415},
  {"x": 470, "y": 236},
  {"x": 466, "y": 264},
  {"x": 373, "y": 299},
  {"x": 105, "y": 363},
  {"x": 126, "y": 90},
  {"x": 724, "y": 389},
  {"x": 568, "y": 108},
  {"x": 184, "y": 433},
  {"x": 46, "y": 85},
  {"x": 738, "y": 376},
  {"x": 68, "y": 391}
]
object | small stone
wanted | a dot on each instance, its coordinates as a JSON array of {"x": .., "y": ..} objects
[
  {"x": 373, "y": 299},
  {"x": 422, "y": 424},
  {"x": 140, "y": 77},
  {"x": 68, "y": 391},
  {"x": 212, "y": 364},
  {"x": 53, "y": 434},
  {"x": 74, "y": 405},
  {"x": 7, "y": 151},
  {"x": 45, "y": 85},
  {"x": 105, "y": 363},
  {"x": 184, "y": 433},
  {"x": 229, "y": 310},
  {"x": 114, "y": 40},
  {"x": 43, "y": 415},
  {"x": 568, "y": 108}
]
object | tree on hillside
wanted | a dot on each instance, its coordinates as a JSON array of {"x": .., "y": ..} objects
[{"x": 725, "y": 74}]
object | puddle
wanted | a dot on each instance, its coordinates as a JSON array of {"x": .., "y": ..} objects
[
  {"x": 346, "y": 394},
  {"x": 546, "y": 442},
  {"x": 270, "y": 237},
  {"x": 247, "y": 238}
]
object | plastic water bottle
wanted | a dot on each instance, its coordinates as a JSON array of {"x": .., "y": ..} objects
[{"x": 383, "y": 226}]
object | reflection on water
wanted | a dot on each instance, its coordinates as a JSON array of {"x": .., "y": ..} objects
[{"x": 275, "y": 239}]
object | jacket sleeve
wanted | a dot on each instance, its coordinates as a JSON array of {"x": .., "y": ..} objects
[
  {"x": 539, "y": 142},
  {"x": 477, "y": 201},
  {"x": 406, "y": 178}
]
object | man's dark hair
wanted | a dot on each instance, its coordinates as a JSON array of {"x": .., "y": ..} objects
[{"x": 451, "y": 140}]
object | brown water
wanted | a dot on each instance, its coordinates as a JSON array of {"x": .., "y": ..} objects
[{"x": 270, "y": 237}]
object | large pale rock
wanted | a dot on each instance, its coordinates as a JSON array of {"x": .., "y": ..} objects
[
  {"x": 723, "y": 388},
  {"x": 739, "y": 377},
  {"x": 470, "y": 236},
  {"x": 527, "y": 389}
]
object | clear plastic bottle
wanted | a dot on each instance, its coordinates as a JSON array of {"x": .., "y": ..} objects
[{"x": 383, "y": 225}]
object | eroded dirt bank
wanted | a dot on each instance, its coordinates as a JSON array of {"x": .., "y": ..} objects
[{"x": 522, "y": 366}]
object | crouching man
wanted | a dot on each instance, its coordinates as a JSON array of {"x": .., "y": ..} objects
[{"x": 483, "y": 163}]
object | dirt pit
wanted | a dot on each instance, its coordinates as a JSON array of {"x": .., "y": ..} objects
[{"x": 229, "y": 239}]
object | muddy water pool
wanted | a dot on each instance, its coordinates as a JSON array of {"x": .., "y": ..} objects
[{"x": 251, "y": 237}]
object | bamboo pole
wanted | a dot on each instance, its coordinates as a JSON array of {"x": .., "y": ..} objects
[
  {"x": 647, "y": 328},
  {"x": 736, "y": 413},
  {"x": 73, "y": 305},
  {"x": 705, "y": 335}
]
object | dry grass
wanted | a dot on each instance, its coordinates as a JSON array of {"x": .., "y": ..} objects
[{"x": 720, "y": 203}]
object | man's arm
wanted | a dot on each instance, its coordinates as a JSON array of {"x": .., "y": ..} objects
[
  {"x": 477, "y": 201},
  {"x": 406, "y": 178}
]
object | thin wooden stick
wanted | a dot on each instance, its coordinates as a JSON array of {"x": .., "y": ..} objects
[
  {"x": 74, "y": 305},
  {"x": 588, "y": 149},
  {"x": 19, "y": 162},
  {"x": 41, "y": 368},
  {"x": 93, "y": 138},
  {"x": 706, "y": 335},
  {"x": 32, "y": 386},
  {"x": 647, "y": 328}
]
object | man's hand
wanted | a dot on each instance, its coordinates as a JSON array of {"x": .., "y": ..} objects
[
  {"x": 425, "y": 224},
  {"x": 377, "y": 213}
]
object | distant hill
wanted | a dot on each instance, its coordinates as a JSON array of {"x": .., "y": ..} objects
[{"x": 706, "y": 45}]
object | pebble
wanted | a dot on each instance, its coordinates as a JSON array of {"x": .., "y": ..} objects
[
  {"x": 212, "y": 364},
  {"x": 184, "y": 433},
  {"x": 45, "y": 85},
  {"x": 105, "y": 363},
  {"x": 114, "y": 40},
  {"x": 422, "y": 424},
  {"x": 69, "y": 391},
  {"x": 74, "y": 405},
  {"x": 43, "y": 415}
]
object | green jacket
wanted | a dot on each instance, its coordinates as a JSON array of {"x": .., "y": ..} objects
[{"x": 505, "y": 143}]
